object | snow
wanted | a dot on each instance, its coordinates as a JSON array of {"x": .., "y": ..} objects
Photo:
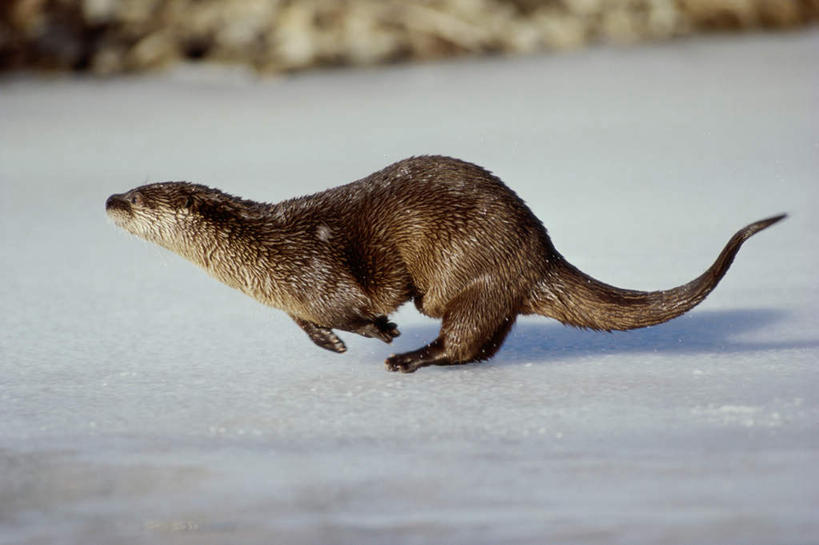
[{"x": 143, "y": 402}]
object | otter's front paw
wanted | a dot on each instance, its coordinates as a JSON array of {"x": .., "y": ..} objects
[
  {"x": 389, "y": 331},
  {"x": 328, "y": 340},
  {"x": 380, "y": 328}
]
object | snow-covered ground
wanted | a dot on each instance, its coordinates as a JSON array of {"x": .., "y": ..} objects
[{"x": 143, "y": 402}]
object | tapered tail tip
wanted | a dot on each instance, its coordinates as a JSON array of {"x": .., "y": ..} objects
[
  {"x": 771, "y": 221},
  {"x": 758, "y": 226}
]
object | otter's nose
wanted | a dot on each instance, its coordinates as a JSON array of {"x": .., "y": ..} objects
[{"x": 116, "y": 202}]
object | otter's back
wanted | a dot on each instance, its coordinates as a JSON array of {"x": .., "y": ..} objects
[{"x": 450, "y": 221}]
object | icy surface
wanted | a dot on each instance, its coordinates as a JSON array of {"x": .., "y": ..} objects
[{"x": 143, "y": 402}]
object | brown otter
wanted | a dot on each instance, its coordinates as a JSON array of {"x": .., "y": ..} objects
[{"x": 439, "y": 231}]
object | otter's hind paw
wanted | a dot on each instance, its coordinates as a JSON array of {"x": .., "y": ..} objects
[{"x": 403, "y": 363}]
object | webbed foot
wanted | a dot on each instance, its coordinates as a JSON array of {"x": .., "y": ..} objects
[
  {"x": 409, "y": 362},
  {"x": 328, "y": 340},
  {"x": 321, "y": 336},
  {"x": 379, "y": 328}
]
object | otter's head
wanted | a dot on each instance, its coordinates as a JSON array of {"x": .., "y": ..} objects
[{"x": 175, "y": 215}]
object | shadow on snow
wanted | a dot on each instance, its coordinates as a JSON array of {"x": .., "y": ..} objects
[{"x": 716, "y": 331}]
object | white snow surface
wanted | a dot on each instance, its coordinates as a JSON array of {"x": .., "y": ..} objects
[{"x": 144, "y": 402}]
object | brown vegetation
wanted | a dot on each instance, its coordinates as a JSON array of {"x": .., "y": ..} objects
[{"x": 110, "y": 36}]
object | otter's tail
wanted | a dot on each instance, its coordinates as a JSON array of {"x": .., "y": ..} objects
[{"x": 574, "y": 298}]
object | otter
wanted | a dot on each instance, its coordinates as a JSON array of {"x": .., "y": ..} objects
[{"x": 446, "y": 234}]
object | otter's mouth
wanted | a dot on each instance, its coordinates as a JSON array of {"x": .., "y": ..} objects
[{"x": 118, "y": 209}]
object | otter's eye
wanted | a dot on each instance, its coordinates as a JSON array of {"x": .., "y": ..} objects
[{"x": 135, "y": 199}]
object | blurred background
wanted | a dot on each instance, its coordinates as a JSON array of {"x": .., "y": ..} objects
[{"x": 113, "y": 36}]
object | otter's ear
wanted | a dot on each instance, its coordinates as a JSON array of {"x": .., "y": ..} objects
[{"x": 183, "y": 201}]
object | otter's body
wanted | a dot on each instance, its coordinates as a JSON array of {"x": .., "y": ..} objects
[{"x": 441, "y": 232}]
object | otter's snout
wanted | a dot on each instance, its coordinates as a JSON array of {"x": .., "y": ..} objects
[
  {"x": 117, "y": 202},
  {"x": 119, "y": 209}
]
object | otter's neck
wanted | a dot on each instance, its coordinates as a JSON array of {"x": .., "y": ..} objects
[{"x": 239, "y": 254}]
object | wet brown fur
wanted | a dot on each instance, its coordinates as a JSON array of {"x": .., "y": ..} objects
[{"x": 439, "y": 231}]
